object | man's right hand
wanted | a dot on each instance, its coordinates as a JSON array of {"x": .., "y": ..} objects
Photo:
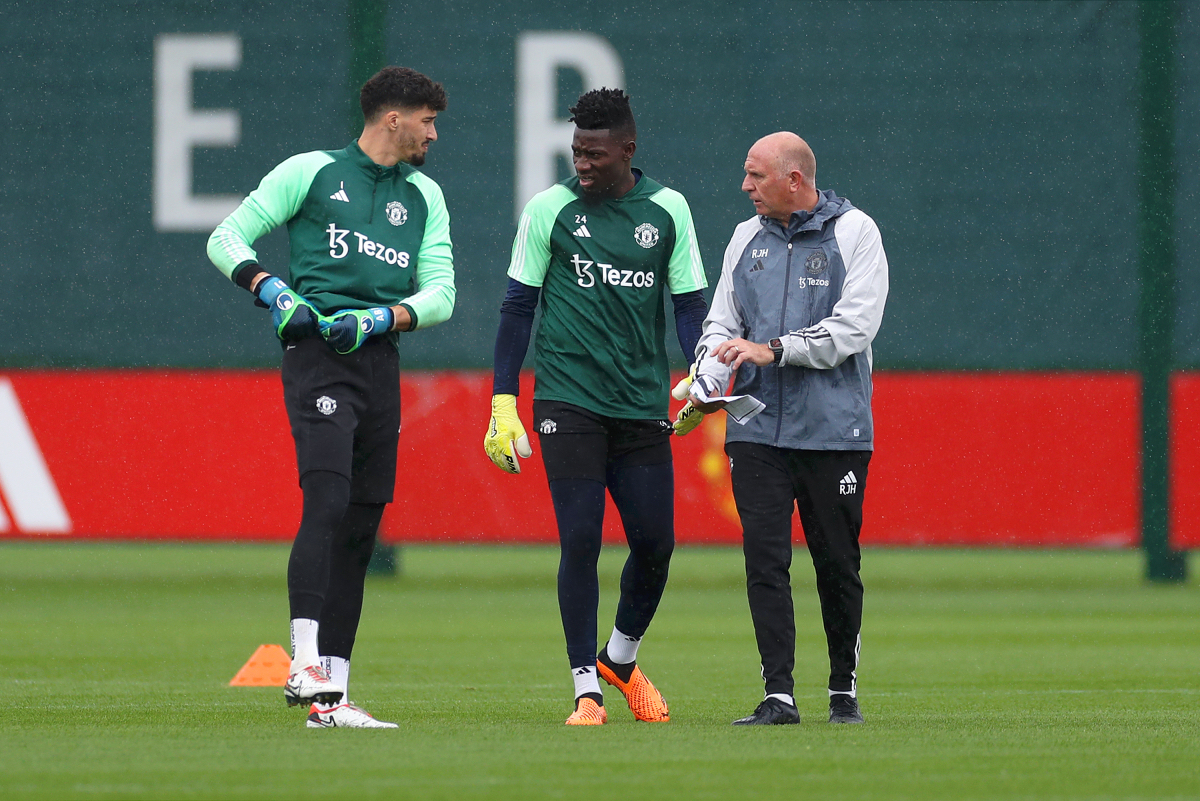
[
  {"x": 345, "y": 330},
  {"x": 293, "y": 316},
  {"x": 506, "y": 439},
  {"x": 690, "y": 416},
  {"x": 687, "y": 389}
]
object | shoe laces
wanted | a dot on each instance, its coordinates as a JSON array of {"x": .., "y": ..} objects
[
  {"x": 358, "y": 710},
  {"x": 842, "y": 703},
  {"x": 771, "y": 703},
  {"x": 317, "y": 673},
  {"x": 346, "y": 708}
]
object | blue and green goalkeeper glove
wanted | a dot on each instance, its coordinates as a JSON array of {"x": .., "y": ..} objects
[
  {"x": 293, "y": 316},
  {"x": 347, "y": 329}
]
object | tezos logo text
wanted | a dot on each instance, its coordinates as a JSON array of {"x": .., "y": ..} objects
[
  {"x": 609, "y": 275},
  {"x": 338, "y": 249}
]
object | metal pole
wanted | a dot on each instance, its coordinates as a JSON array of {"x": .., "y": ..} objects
[
  {"x": 368, "y": 51},
  {"x": 367, "y": 27},
  {"x": 1156, "y": 271}
]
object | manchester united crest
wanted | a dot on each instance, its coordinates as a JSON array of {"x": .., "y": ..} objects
[
  {"x": 816, "y": 262},
  {"x": 396, "y": 213},
  {"x": 646, "y": 235}
]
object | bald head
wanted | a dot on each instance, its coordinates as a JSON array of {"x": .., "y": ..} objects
[
  {"x": 787, "y": 152},
  {"x": 781, "y": 175}
]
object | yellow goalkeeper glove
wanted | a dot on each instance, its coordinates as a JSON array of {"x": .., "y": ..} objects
[
  {"x": 506, "y": 438},
  {"x": 689, "y": 416}
]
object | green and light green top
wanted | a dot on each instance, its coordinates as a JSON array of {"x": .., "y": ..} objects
[
  {"x": 602, "y": 266},
  {"x": 361, "y": 235}
]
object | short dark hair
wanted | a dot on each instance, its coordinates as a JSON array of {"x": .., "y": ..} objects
[
  {"x": 400, "y": 87},
  {"x": 604, "y": 108}
]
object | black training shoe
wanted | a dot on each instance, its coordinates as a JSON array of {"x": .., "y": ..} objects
[
  {"x": 771, "y": 712},
  {"x": 844, "y": 709}
]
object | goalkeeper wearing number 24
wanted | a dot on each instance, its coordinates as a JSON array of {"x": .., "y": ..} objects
[{"x": 599, "y": 250}]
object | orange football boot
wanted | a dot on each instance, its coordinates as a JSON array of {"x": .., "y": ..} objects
[
  {"x": 645, "y": 701},
  {"x": 587, "y": 713}
]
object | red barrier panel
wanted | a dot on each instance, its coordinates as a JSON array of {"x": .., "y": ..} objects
[
  {"x": 961, "y": 459},
  {"x": 164, "y": 454},
  {"x": 1005, "y": 459},
  {"x": 1184, "y": 491}
]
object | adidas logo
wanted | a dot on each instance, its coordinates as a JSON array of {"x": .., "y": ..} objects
[
  {"x": 582, "y": 231},
  {"x": 758, "y": 266},
  {"x": 848, "y": 484},
  {"x": 341, "y": 193}
]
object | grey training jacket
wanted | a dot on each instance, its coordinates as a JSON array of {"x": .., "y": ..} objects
[{"x": 819, "y": 285}]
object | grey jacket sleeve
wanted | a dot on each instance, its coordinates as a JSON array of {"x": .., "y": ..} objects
[
  {"x": 858, "y": 313},
  {"x": 725, "y": 319}
]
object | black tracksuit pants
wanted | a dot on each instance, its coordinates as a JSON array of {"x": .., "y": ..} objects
[{"x": 827, "y": 488}]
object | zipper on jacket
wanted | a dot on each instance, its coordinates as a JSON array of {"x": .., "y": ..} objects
[
  {"x": 374, "y": 186},
  {"x": 787, "y": 288}
]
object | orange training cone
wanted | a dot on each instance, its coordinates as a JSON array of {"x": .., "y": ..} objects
[{"x": 267, "y": 667}]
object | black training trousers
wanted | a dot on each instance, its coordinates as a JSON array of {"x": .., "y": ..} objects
[
  {"x": 827, "y": 488},
  {"x": 344, "y": 411},
  {"x": 584, "y": 454}
]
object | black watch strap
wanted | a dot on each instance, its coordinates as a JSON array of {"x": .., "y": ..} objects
[{"x": 776, "y": 346}]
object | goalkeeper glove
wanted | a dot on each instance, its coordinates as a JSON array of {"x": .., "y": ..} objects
[
  {"x": 689, "y": 416},
  {"x": 293, "y": 316},
  {"x": 506, "y": 438},
  {"x": 347, "y": 329}
]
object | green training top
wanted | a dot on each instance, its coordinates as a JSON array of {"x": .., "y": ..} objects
[
  {"x": 361, "y": 235},
  {"x": 602, "y": 266}
]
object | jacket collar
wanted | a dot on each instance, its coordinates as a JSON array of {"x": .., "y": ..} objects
[
  {"x": 376, "y": 171},
  {"x": 829, "y": 206}
]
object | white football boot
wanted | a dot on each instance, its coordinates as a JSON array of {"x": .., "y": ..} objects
[
  {"x": 344, "y": 716},
  {"x": 311, "y": 685}
]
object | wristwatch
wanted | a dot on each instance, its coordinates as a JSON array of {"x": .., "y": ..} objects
[{"x": 776, "y": 347}]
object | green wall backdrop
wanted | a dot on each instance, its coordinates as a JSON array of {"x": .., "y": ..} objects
[{"x": 994, "y": 143}]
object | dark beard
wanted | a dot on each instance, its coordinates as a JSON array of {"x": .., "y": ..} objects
[{"x": 418, "y": 158}]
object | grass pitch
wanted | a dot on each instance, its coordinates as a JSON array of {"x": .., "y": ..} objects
[{"x": 1048, "y": 675}]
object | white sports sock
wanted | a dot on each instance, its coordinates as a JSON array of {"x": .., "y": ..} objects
[
  {"x": 853, "y": 693},
  {"x": 339, "y": 674},
  {"x": 622, "y": 649},
  {"x": 585, "y": 681},
  {"x": 787, "y": 699},
  {"x": 304, "y": 644}
]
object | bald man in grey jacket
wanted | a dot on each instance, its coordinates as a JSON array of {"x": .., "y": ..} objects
[{"x": 800, "y": 299}]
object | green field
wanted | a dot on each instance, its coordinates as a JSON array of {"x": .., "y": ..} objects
[{"x": 985, "y": 674}]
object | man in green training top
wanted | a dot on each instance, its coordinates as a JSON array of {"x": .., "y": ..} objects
[
  {"x": 370, "y": 259},
  {"x": 600, "y": 249}
]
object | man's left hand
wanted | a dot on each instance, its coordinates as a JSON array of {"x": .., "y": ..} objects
[{"x": 734, "y": 352}]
